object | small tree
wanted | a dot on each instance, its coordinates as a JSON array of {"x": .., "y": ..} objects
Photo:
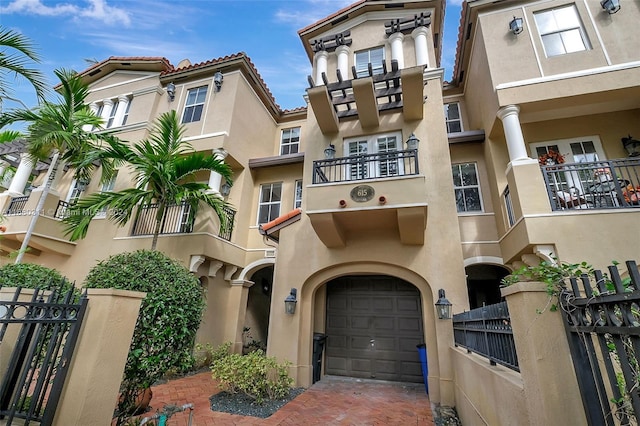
[{"x": 169, "y": 317}]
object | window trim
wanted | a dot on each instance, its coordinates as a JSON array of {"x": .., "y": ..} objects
[
  {"x": 595, "y": 139},
  {"x": 288, "y": 141},
  {"x": 372, "y": 148},
  {"x": 365, "y": 72},
  {"x": 581, "y": 29},
  {"x": 195, "y": 104},
  {"x": 297, "y": 201},
  {"x": 477, "y": 185},
  {"x": 459, "y": 119},
  {"x": 107, "y": 187},
  {"x": 270, "y": 203}
]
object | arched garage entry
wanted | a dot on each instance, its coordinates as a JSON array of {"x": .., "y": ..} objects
[{"x": 373, "y": 324}]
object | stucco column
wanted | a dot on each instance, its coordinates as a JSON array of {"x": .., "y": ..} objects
[
  {"x": 513, "y": 132},
  {"x": 543, "y": 356},
  {"x": 237, "y": 308},
  {"x": 21, "y": 177},
  {"x": 397, "y": 53},
  {"x": 106, "y": 110},
  {"x": 215, "y": 178},
  {"x": 420, "y": 41},
  {"x": 321, "y": 66},
  {"x": 123, "y": 103},
  {"x": 92, "y": 386},
  {"x": 343, "y": 61}
]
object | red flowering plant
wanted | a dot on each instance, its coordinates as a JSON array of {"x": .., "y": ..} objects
[{"x": 550, "y": 158}]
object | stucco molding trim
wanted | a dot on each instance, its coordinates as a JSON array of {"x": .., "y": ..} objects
[
  {"x": 195, "y": 262},
  {"x": 476, "y": 260},
  {"x": 358, "y": 209},
  {"x": 254, "y": 266},
  {"x": 208, "y": 135},
  {"x": 243, "y": 283}
]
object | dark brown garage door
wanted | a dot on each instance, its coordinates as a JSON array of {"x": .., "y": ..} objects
[{"x": 373, "y": 326}]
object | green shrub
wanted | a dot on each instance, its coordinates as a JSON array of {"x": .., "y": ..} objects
[
  {"x": 255, "y": 374},
  {"x": 206, "y": 354},
  {"x": 29, "y": 275},
  {"x": 169, "y": 317}
]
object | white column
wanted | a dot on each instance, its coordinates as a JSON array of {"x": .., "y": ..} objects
[
  {"x": 420, "y": 40},
  {"x": 321, "y": 66},
  {"x": 513, "y": 132},
  {"x": 343, "y": 61},
  {"x": 21, "y": 177},
  {"x": 106, "y": 110},
  {"x": 215, "y": 179},
  {"x": 123, "y": 101},
  {"x": 3, "y": 168},
  {"x": 396, "y": 48}
]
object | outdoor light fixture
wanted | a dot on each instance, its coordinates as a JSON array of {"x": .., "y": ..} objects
[
  {"x": 631, "y": 145},
  {"x": 412, "y": 142},
  {"x": 225, "y": 189},
  {"x": 171, "y": 91},
  {"x": 217, "y": 80},
  {"x": 330, "y": 152},
  {"x": 611, "y": 6},
  {"x": 516, "y": 26},
  {"x": 443, "y": 306},
  {"x": 290, "y": 302}
]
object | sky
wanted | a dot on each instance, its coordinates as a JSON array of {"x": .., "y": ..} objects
[{"x": 72, "y": 33}]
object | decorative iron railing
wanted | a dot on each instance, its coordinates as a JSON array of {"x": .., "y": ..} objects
[
  {"x": 607, "y": 184},
  {"x": 487, "y": 332},
  {"x": 62, "y": 211},
  {"x": 366, "y": 166},
  {"x": 226, "y": 227},
  {"x": 16, "y": 205},
  {"x": 177, "y": 219}
]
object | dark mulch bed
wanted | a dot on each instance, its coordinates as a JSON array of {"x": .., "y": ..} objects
[{"x": 245, "y": 406}]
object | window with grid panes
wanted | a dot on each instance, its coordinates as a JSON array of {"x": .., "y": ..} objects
[
  {"x": 194, "y": 105},
  {"x": 561, "y": 31},
  {"x": 466, "y": 187},
  {"x": 290, "y": 141},
  {"x": 297, "y": 199},
  {"x": 126, "y": 112},
  {"x": 112, "y": 114},
  {"x": 367, "y": 167},
  {"x": 452, "y": 117},
  {"x": 374, "y": 56},
  {"x": 269, "y": 204}
]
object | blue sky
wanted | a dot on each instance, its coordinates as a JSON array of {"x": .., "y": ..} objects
[{"x": 67, "y": 33}]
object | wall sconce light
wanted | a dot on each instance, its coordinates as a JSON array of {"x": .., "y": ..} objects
[
  {"x": 412, "y": 142},
  {"x": 171, "y": 91},
  {"x": 632, "y": 146},
  {"x": 330, "y": 152},
  {"x": 225, "y": 189},
  {"x": 611, "y": 6},
  {"x": 217, "y": 80},
  {"x": 443, "y": 306},
  {"x": 290, "y": 302},
  {"x": 516, "y": 25}
]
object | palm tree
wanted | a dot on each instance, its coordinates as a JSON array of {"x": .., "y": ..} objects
[
  {"x": 57, "y": 131},
  {"x": 163, "y": 167},
  {"x": 16, "y": 53}
]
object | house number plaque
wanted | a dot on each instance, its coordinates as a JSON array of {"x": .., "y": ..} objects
[{"x": 362, "y": 193}]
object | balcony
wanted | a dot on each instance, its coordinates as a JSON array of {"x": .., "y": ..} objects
[
  {"x": 608, "y": 184},
  {"x": 381, "y": 192}
]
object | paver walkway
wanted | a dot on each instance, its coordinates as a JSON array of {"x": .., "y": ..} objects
[{"x": 331, "y": 401}]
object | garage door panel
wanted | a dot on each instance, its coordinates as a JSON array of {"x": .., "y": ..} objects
[{"x": 383, "y": 309}]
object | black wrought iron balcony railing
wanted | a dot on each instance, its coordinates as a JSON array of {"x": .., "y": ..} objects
[
  {"x": 607, "y": 184},
  {"x": 16, "y": 205},
  {"x": 366, "y": 166},
  {"x": 177, "y": 219},
  {"x": 62, "y": 211}
]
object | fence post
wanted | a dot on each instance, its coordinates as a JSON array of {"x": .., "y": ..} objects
[
  {"x": 91, "y": 390},
  {"x": 550, "y": 384}
]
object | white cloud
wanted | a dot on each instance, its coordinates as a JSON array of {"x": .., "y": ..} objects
[{"x": 98, "y": 10}]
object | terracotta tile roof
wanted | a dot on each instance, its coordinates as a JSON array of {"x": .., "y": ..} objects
[
  {"x": 281, "y": 221},
  {"x": 461, "y": 31}
]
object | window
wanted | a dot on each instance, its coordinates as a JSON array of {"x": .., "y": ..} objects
[
  {"x": 112, "y": 114},
  {"x": 290, "y": 141},
  {"x": 579, "y": 150},
  {"x": 77, "y": 188},
  {"x": 269, "y": 207},
  {"x": 374, "y": 56},
  {"x": 126, "y": 113},
  {"x": 561, "y": 31},
  {"x": 466, "y": 187},
  {"x": 452, "y": 117},
  {"x": 297, "y": 198},
  {"x": 107, "y": 187},
  {"x": 365, "y": 166},
  {"x": 508, "y": 205},
  {"x": 194, "y": 105}
]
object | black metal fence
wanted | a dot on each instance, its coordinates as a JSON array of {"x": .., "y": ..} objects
[
  {"x": 603, "y": 328},
  {"x": 16, "y": 205},
  {"x": 62, "y": 210},
  {"x": 48, "y": 325},
  {"x": 487, "y": 332},
  {"x": 177, "y": 219},
  {"x": 366, "y": 166},
  {"x": 226, "y": 227},
  {"x": 609, "y": 184}
]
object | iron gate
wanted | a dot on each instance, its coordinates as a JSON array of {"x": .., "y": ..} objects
[
  {"x": 47, "y": 330},
  {"x": 603, "y": 328}
]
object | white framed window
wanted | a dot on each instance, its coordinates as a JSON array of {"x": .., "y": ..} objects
[
  {"x": 575, "y": 150},
  {"x": 194, "y": 105},
  {"x": 107, "y": 187},
  {"x": 452, "y": 117},
  {"x": 78, "y": 186},
  {"x": 290, "y": 141},
  {"x": 561, "y": 31},
  {"x": 126, "y": 112},
  {"x": 374, "y": 56},
  {"x": 269, "y": 204},
  {"x": 466, "y": 186},
  {"x": 297, "y": 196},
  {"x": 366, "y": 166},
  {"x": 112, "y": 114}
]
